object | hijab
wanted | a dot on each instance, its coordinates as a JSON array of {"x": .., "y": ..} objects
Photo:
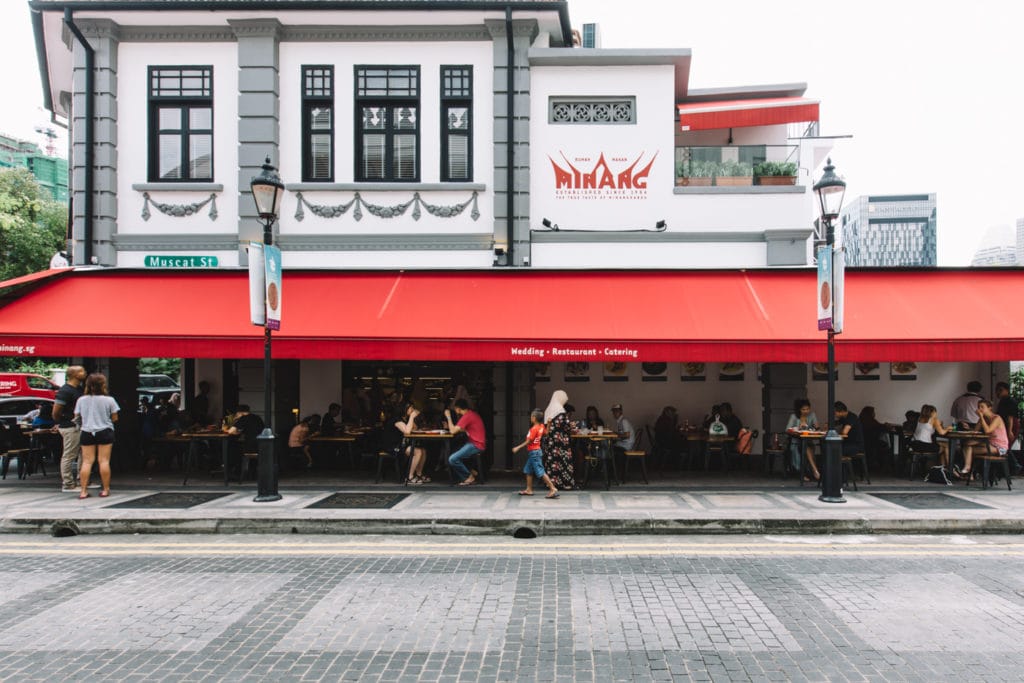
[{"x": 556, "y": 406}]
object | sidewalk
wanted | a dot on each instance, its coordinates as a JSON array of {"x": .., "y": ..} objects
[{"x": 766, "y": 506}]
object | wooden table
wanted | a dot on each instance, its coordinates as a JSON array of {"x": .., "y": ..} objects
[
  {"x": 194, "y": 438},
  {"x": 337, "y": 441},
  {"x": 444, "y": 437},
  {"x": 598, "y": 441},
  {"x": 958, "y": 438}
]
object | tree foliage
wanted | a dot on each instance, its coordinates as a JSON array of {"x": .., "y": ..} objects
[
  {"x": 160, "y": 366},
  {"x": 32, "y": 226}
]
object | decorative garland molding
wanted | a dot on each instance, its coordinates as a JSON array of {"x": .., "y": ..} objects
[
  {"x": 357, "y": 204},
  {"x": 179, "y": 210},
  {"x": 387, "y": 242}
]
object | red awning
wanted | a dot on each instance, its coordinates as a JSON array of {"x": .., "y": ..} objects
[
  {"x": 528, "y": 315},
  {"x": 743, "y": 113}
]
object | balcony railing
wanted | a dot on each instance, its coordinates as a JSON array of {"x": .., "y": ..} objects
[{"x": 737, "y": 165}]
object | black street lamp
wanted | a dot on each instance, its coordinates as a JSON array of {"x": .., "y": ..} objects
[
  {"x": 267, "y": 191},
  {"x": 830, "y": 190}
]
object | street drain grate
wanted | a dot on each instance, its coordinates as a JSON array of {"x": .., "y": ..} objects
[
  {"x": 930, "y": 501},
  {"x": 380, "y": 501},
  {"x": 177, "y": 501}
]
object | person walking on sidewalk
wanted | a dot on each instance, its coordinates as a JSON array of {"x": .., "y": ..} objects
[
  {"x": 557, "y": 444},
  {"x": 99, "y": 413},
  {"x": 470, "y": 423},
  {"x": 64, "y": 415},
  {"x": 534, "y": 466}
]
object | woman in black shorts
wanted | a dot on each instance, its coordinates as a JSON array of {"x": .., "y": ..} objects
[{"x": 98, "y": 413}]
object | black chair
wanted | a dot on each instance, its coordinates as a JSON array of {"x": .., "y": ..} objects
[
  {"x": 775, "y": 446},
  {"x": 398, "y": 457},
  {"x": 988, "y": 459},
  {"x": 916, "y": 456}
]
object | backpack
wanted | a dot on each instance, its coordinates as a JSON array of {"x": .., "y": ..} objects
[
  {"x": 938, "y": 475},
  {"x": 744, "y": 441}
]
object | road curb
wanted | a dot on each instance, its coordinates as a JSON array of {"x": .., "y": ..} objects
[{"x": 499, "y": 527}]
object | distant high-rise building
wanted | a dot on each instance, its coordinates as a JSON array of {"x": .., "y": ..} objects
[
  {"x": 998, "y": 248},
  {"x": 890, "y": 230},
  {"x": 1020, "y": 241},
  {"x": 50, "y": 171},
  {"x": 591, "y": 35}
]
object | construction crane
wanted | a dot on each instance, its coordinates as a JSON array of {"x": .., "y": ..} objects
[{"x": 50, "y": 134}]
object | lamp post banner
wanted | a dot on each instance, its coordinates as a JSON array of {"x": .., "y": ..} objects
[
  {"x": 273, "y": 266},
  {"x": 257, "y": 285},
  {"x": 825, "y": 294},
  {"x": 838, "y": 289}
]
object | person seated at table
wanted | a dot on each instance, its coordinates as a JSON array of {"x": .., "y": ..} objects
[
  {"x": 405, "y": 424},
  {"x": 965, "y": 407},
  {"x": 330, "y": 424},
  {"x": 247, "y": 425},
  {"x": 928, "y": 425},
  {"x": 910, "y": 421},
  {"x": 666, "y": 431},
  {"x": 803, "y": 419},
  {"x": 732, "y": 422},
  {"x": 876, "y": 438},
  {"x": 592, "y": 420},
  {"x": 44, "y": 419},
  {"x": 298, "y": 441},
  {"x": 570, "y": 412},
  {"x": 848, "y": 424},
  {"x": 470, "y": 423},
  {"x": 711, "y": 417},
  {"x": 627, "y": 436},
  {"x": 990, "y": 424}
]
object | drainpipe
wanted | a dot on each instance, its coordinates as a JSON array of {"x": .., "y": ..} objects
[
  {"x": 510, "y": 236},
  {"x": 87, "y": 160},
  {"x": 510, "y": 132}
]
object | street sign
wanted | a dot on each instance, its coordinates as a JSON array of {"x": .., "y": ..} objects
[
  {"x": 825, "y": 294},
  {"x": 272, "y": 256},
  {"x": 257, "y": 284},
  {"x": 180, "y": 262}
]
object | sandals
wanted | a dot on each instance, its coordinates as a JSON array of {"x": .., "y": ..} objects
[
  {"x": 526, "y": 493},
  {"x": 83, "y": 496},
  {"x": 468, "y": 482},
  {"x": 552, "y": 495},
  {"x": 104, "y": 494}
]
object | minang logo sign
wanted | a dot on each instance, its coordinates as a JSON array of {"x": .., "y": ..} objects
[{"x": 613, "y": 177}]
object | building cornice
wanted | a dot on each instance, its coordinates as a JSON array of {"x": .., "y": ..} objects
[
  {"x": 99, "y": 28},
  {"x": 177, "y": 34},
  {"x": 528, "y": 28},
  {"x": 387, "y": 242},
  {"x": 370, "y": 34},
  {"x": 740, "y": 189},
  {"x": 652, "y": 237},
  {"x": 227, "y": 241},
  {"x": 268, "y": 28}
]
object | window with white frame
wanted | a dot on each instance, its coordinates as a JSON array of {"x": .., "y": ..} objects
[
  {"x": 387, "y": 144},
  {"x": 456, "y": 123},
  {"x": 180, "y": 123},
  {"x": 318, "y": 123}
]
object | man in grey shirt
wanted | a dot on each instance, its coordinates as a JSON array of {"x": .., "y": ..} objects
[
  {"x": 965, "y": 408},
  {"x": 70, "y": 433}
]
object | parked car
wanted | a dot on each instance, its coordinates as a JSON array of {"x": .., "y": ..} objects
[
  {"x": 26, "y": 384},
  {"x": 156, "y": 386},
  {"x": 13, "y": 408}
]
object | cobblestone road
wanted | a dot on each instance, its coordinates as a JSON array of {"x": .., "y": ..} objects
[{"x": 602, "y": 609}]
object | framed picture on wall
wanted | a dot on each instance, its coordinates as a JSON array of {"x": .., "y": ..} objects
[
  {"x": 654, "y": 372},
  {"x": 616, "y": 372},
  {"x": 577, "y": 372},
  {"x": 866, "y": 372},
  {"x": 542, "y": 372},
  {"x": 731, "y": 372},
  {"x": 693, "y": 372},
  {"x": 819, "y": 372},
  {"x": 902, "y": 371}
]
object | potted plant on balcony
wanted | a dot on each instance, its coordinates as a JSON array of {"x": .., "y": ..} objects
[
  {"x": 696, "y": 173},
  {"x": 775, "y": 173},
  {"x": 734, "y": 173}
]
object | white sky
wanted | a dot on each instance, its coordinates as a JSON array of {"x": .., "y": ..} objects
[{"x": 932, "y": 92}]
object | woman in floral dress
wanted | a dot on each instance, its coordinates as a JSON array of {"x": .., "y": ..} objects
[{"x": 556, "y": 444}]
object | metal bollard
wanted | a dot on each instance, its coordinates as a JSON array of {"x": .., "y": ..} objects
[{"x": 832, "y": 474}]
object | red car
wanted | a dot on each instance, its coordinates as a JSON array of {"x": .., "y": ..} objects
[{"x": 26, "y": 384}]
